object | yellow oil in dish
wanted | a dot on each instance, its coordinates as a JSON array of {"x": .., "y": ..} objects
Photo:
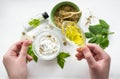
[{"x": 73, "y": 33}]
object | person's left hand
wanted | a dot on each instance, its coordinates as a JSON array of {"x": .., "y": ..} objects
[{"x": 15, "y": 60}]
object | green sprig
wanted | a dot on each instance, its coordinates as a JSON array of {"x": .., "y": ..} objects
[
  {"x": 34, "y": 22},
  {"x": 31, "y": 53},
  {"x": 61, "y": 58},
  {"x": 99, "y": 34}
]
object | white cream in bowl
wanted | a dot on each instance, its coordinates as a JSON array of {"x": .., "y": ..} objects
[{"x": 46, "y": 46}]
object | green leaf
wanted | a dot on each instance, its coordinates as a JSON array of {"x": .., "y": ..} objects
[
  {"x": 105, "y": 31},
  {"x": 96, "y": 29},
  {"x": 104, "y": 24},
  {"x": 104, "y": 43},
  {"x": 34, "y": 22},
  {"x": 88, "y": 35},
  {"x": 99, "y": 38},
  {"x": 35, "y": 58},
  {"x": 99, "y": 34},
  {"x": 63, "y": 55},
  {"x": 61, "y": 58},
  {"x": 61, "y": 62},
  {"x": 92, "y": 40},
  {"x": 31, "y": 53}
]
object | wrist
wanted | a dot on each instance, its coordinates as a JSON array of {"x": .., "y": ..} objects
[
  {"x": 99, "y": 77},
  {"x": 13, "y": 76}
]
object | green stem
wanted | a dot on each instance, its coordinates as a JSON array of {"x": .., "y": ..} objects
[{"x": 110, "y": 33}]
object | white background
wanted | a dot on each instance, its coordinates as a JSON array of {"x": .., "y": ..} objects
[{"x": 13, "y": 14}]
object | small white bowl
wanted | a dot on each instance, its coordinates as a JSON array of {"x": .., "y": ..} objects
[{"x": 51, "y": 53}]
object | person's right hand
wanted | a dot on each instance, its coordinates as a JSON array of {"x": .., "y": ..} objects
[{"x": 98, "y": 60}]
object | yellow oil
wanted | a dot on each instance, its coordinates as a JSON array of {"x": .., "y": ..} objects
[{"x": 73, "y": 33}]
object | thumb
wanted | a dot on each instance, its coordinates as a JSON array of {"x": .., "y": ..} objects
[
  {"x": 24, "y": 48},
  {"x": 88, "y": 56}
]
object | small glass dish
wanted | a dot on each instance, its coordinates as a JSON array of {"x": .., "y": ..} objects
[
  {"x": 73, "y": 33},
  {"x": 46, "y": 46}
]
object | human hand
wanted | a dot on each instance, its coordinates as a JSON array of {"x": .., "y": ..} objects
[
  {"x": 98, "y": 60},
  {"x": 15, "y": 60}
]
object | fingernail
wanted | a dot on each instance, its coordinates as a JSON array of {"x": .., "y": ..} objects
[
  {"x": 79, "y": 49},
  {"x": 31, "y": 58}
]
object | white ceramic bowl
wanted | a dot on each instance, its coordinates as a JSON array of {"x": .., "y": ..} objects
[{"x": 50, "y": 46}]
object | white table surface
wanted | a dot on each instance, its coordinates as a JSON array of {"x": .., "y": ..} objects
[{"x": 13, "y": 14}]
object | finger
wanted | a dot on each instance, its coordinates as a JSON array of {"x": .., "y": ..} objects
[
  {"x": 96, "y": 49},
  {"x": 16, "y": 47},
  {"x": 24, "y": 48},
  {"x": 29, "y": 57},
  {"x": 79, "y": 56},
  {"x": 88, "y": 56}
]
